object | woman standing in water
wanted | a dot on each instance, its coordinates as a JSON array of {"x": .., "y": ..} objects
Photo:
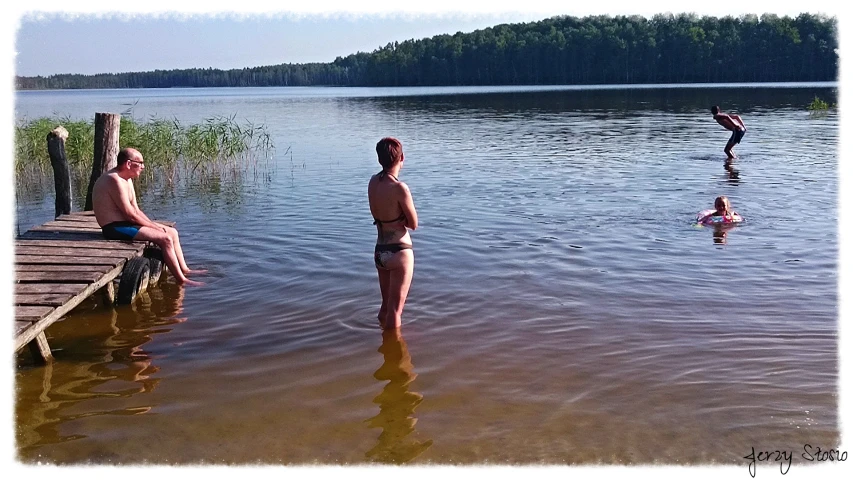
[{"x": 393, "y": 213}]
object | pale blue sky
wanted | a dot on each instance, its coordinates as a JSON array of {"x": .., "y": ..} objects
[{"x": 88, "y": 39}]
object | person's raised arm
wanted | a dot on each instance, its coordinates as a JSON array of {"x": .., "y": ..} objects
[{"x": 408, "y": 207}]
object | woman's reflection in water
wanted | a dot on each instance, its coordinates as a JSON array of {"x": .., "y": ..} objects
[{"x": 396, "y": 405}]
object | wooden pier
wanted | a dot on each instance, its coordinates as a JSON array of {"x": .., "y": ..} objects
[{"x": 65, "y": 261}]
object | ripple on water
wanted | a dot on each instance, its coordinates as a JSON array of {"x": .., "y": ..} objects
[{"x": 564, "y": 307}]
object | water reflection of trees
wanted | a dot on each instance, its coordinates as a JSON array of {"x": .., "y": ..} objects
[
  {"x": 99, "y": 355},
  {"x": 396, "y": 405},
  {"x": 615, "y": 100}
]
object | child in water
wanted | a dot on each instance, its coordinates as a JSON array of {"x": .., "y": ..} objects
[{"x": 722, "y": 213}]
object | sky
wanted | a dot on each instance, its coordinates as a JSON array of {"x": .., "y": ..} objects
[
  {"x": 99, "y": 36},
  {"x": 93, "y": 37}
]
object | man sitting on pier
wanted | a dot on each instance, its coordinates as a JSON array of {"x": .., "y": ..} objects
[{"x": 116, "y": 210}]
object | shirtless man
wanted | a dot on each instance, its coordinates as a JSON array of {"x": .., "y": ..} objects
[
  {"x": 730, "y": 122},
  {"x": 114, "y": 202}
]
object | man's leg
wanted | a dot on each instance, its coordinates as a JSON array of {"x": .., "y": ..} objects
[
  {"x": 167, "y": 245},
  {"x": 179, "y": 252},
  {"x": 728, "y": 149},
  {"x": 733, "y": 140}
]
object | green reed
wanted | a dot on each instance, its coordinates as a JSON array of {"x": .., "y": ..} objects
[
  {"x": 218, "y": 148},
  {"x": 818, "y": 105}
]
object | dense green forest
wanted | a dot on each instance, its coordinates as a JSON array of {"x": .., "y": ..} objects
[{"x": 562, "y": 50}]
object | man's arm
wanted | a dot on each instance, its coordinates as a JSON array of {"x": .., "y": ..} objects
[
  {"x": 151, "y": 223},
  {"x": 739, "y": 120},
  {"x": 124, "y": 198}
]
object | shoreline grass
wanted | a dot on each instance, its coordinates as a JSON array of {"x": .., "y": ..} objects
[{"x": 219, "y": 149}]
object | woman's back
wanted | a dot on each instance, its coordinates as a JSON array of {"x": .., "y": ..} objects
[{"x": 387, "y": 196}]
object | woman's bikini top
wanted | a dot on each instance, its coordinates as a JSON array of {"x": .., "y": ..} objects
[{"x": 402, "y": 216}]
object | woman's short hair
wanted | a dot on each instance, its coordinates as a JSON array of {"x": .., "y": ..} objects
[{"x": 390, "y": 151}]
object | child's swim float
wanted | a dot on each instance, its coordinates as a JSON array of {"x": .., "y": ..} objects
[{"x": 703, "y": 218}]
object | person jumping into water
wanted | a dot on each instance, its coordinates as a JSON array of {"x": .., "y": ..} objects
[{"x": 733, "y": 123}]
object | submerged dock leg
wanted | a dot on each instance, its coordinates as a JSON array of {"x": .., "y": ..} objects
[
  {"x": 108, "y": 294},
  {"x": 40, "y": 349}
]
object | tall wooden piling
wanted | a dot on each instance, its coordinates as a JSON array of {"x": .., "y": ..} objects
[
  {"x": 106, "y": 148},
  {"x": 61, "y": 176}
]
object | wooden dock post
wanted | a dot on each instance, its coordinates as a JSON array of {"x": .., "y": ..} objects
[
  {"x": 61, "y": 177},
  {"x": 106, "y": 148}
]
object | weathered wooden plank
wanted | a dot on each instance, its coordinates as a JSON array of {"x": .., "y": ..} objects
[
  {"x": 77, "y": 218},
  {"x": 75, "y": 225},
  {"x": 52, "y": 235},
  {"x": 68, "y": 260},
  {"x": 31, "y": 314},
  {"x": 82, "y": 244},
  {"x": 20, "y": 326},
  {"x": 53, "y": 277},
  {"x": 29, "y": 334},
  {"x": 77, "y": 222},
  {"x": 62, "y": 268},
  {"x": 40, "y": 299},
  {"x": 52, "y": 299},
  {"x": 47, "y": 288},
  {"x": 73, "y": 252},
  {"x": 65, "y": 229}
]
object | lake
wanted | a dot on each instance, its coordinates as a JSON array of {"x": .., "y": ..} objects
[{"x": 565, "y": 309}]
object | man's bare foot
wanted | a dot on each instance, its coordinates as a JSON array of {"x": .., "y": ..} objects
[
  {"x": 190, "y": 283},
  {"x": 195, "y": 272}
]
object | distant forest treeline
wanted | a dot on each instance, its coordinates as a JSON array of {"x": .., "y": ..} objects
[{"x": 667, "y": 48}]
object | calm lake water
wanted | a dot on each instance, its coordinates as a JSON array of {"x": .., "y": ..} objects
[{"x": 564, "y": 307}]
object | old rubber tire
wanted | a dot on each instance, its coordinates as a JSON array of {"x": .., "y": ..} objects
[
  {"x": 134, "y": 279},
  {"x": 155, "y": 262}
]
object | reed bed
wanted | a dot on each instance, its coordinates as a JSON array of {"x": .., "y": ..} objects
[
  {"x": 819, "y": 108},
  {"x": 219, "y": 150}
]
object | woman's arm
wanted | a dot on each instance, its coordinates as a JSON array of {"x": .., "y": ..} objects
[{"x": 408, "y": 207}]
